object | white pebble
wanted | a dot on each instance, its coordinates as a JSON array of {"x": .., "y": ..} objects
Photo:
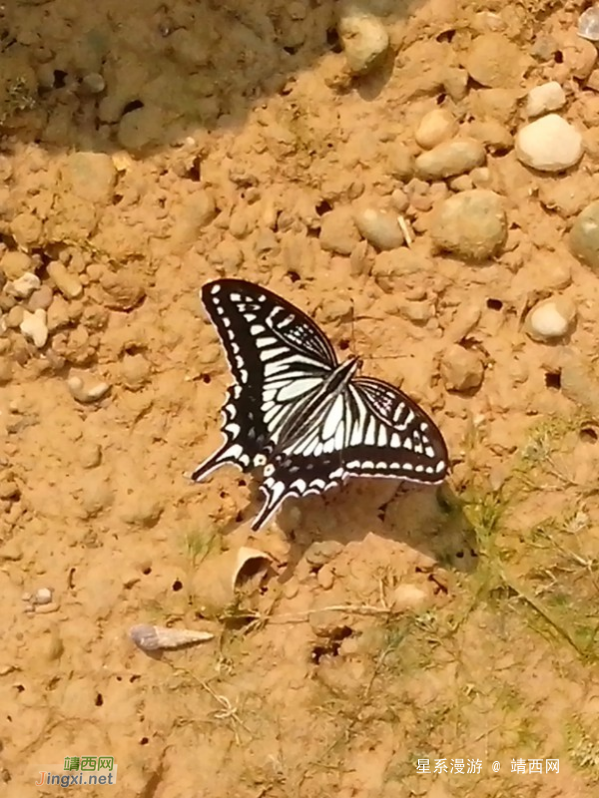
[
  {"x": 547, "y": 97},
  {"x": 550, "y": 144},
  {"x": 34, "y": 327},
  {"x": 42, "y": 596},
  {"x": 550, "y": 319},
  {"x": 382, "y": 230},
  {"x": 364, "y": 38},
  {"x": 588, "y": 24},
  {"x": 24, "y": 285},
  {"x": 84, "y": 394}
]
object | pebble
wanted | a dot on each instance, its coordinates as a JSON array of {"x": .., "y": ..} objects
[
  {"x": 135, "y": 371},
  {"x": 26, "y": 230},
  {"x": 318, "y": 554},
  {"x": 584, "y": 236},
  {"x": 544, "y": 98},
  {"x": 364, "y": 38},
  {"x": 401, "y": 162},
  {"x": 91, "y": 176},
  {"x": 67, "y": 283},
  {"x": 435, "y": 127},
  {"x": 94, "y": 83},
  {"x": 43, "y": 595},
  {"x": 325, "y": 577},
  {"x": 461, "y": 369},
  {"x": 158, "y": 638},
  {"x": 14, "y": 317},
  {"x": 90, "y": 455},
  {"x": 492, "y": 134},
  {"x": 15, "y": 264},
  {"x": 34, "y": 327},
  {"x": 338, "y": 232},
  {"x": 379, "y": 229},
  {"x": 123, "y": 289},
  {"x": 550, "y": 144},
  {"x": 550, "y": 319},
  {"x": 495, "y": 62},
  {"x": 579, "y": 58},
  {"x": 81, "y": 393},
  {"x": 450, "y": 158},
  {"x": 42, "y": 298},
  {"x": 24, "y": 285},
  {"x": 588, "y": 24},
  {"x": 471, "y": 224}
]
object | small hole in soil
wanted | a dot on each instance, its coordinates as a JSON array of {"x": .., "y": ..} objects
[
  {"x": 333, "y": 40},
  {"x": 446, "y": 36},
  {"x": 344, "y": 344},
  {"x": 242, "y": 483},
  {"x": 588, "y": 435},
  {"x": 132, "y": 106},
  {"x": 559, "y": 57},
  {"x": 144, "y": 741},
  {"x": 323, "y": 207},
  {"x": 293, "y": 276},
  {"x": 117, "y": 198},
  {"x": 223, "y": 494},
  {"x": 206, "y": 378},
  {"x": 20, "y": 688},
  {"x": 332, "y": 645},
  {"x": 494, "y": 304},
  {"x": 177, "y": 585},
  {"x": 292, "y": 50},
  {"x": 239, "y": 518},
  {"x": 195, "y": 171},
  {"x": 553, "y": 379},
  {"x": 99, "y": 700},
  {"x": 135, "y": 678},
  {"x": 441, "y": 98},
  {"x": 146, "y": 571},
  {"x": 60, "y": 78},
  {"x": 459, "y": 554}
]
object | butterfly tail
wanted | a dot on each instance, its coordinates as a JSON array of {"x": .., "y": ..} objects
[
  {"x": 275, "y": 494},
  {"x": 227, "y": 454}
]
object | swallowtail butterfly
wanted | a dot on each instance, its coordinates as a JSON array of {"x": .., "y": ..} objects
[{"x": 307, "y": 420}]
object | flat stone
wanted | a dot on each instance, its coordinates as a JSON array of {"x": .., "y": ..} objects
[
  {"x": 471, "y": 224},
  {"x": 450, "y": 158}
]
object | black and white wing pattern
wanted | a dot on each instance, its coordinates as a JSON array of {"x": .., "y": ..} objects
[{"x": 307, "y": 420}]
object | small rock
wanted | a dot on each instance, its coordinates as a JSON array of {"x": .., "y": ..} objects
[
  {"x": 435, "y": 127},
  {"x": 461, "y": 369},
  {"x": 471, "y": 224},
  {"x": 15, "y": 264},
  {"x": 496, "y": 62},
  {"x": 24, "y": 285},
  {"x": 9, "y": 490},
  {"x": 543, "y": 48},
  {"x": 550, "y": 144},
  {"x": 320, "y": 553},
  {"x": 11, "y": 551},
  {"x": 550, "y": 319},
  {"x": 326, "y": 577},
  {"x": 450, "y": 158},
  {"x": 135, "y": 371},
  {"x": 588, "y": 24},
  {"x": 455, "y": 83},
  {"x": 5, "y": 370},
  {"x": 90, "y": 176},
  {"x": 584, "y": 236},
  {"x": 123, "y": 289},
  {"x": 461, "y": 183},
  {"x": 94, "y": 83},
  {"x": 401, "y": 162},
  {"x": 338, "y": 233},
  {"x": 41, "y": 299},
  {"x": 42, "y": 595},
  {"x": 87, "y": 394},
  {"x": 379, "y": 229},
  {"x": 579, "y": 58},
  {"x": 90, "y": 455},
  {"x": 14, "y": 317},
  {"x": 364, "y": 38},
  {"x": 141, "y": 509},
  {"x": 408, "y": 597},
  {"x": 68, "y": 284},
  {"x": 26, "y": 230},
  {"x": 547, "y": 97},
  {"x": 492, "y": 135},
  {"x": 34, "y": 327}
]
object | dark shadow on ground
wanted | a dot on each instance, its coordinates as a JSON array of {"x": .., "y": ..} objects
[{"x": 143, "y": 74}]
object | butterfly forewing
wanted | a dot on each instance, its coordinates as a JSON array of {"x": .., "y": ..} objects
[{"x": 277, "y": 355}]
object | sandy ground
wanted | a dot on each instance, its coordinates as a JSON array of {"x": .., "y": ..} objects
[{"x": 150, "y": 146}]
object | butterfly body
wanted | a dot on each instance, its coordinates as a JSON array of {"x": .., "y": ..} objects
[{"x": 308, "y": 421}]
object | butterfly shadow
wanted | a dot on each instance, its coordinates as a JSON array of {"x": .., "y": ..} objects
[{"x": 429, "y": 520}]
